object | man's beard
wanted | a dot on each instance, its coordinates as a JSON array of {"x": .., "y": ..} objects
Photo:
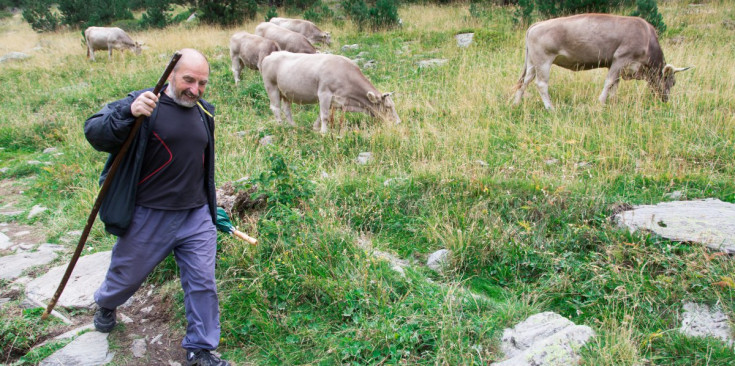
[{"x": 184, "y": 99}]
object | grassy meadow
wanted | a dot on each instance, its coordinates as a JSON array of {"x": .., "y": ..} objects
[{"x": 522, "y": 196}]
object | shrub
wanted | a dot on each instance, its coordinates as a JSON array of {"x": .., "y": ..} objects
[
  {"x": 228, "y": 12},
  {"x": 156, "y": 14},
  {"x": 557, "y": 8},
  {"x": 648, "y": 10},
  {"x": 272, "y": 13},
  {"x": 383, "y": 15},
  {"x": 318, "y": 12},
  {"x": 84, "y": 13},
  {"x": 40, "y": 17}
]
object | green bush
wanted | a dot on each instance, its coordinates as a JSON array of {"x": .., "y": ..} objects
[
  {"x": 272, "y": 13},
  {"x": 556, "y": 8},
  {"x": 40, "y": 17},
  {"x": 84, "y": 13},
  {"x": 156, "y": 14},
  {"x": 648, "y": 10},
  {"x": 383, "y": 15},
  {"x": 318, "y": 12},
  {"x": 229, "y": 12}
]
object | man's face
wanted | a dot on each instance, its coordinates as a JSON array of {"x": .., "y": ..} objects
[{"x": 188, "y": 83}]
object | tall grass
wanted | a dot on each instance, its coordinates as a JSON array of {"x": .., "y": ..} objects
[{"x": 521, "y": 195}]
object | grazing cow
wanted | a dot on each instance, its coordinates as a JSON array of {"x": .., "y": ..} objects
[
  {"x": 330, "y": 80},
  {"x": 628, "y": 46},
  {"x": 249, "y": 50},
  {"x": 287, "y": 40},
  {"x": 103, "y": 38},
  {"x": 306, "y": 28}
]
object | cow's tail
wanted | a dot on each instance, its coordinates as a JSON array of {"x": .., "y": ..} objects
[
  {"x": 85, "y": 43},
  {"x": 523, "y": 72}
]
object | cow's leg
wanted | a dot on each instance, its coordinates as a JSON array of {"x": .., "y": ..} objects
[
  {"x": 526, "y": 78},
  {"x": 325, "y": 103},
  {"x": 611, "y": 83},
  {"x": 236, "y": 68},
  {"x": 286, "y": 108},
  {"x": 275, "y": 97},
  {"x": 542, "y": 83}
]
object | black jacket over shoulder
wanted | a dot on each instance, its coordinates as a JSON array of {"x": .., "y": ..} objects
[{"x": 107, "y": 130}]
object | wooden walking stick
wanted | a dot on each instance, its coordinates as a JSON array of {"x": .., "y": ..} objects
[{"x": 105, "y": 186}]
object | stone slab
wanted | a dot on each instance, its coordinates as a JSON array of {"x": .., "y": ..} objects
[
  {"x": 544, "y": 339},
  {"x": 709, "y": 221},
  {"x": 86, "y": 277},
  {"x": 699, "y": 320},
  {"x": 12, "y": 266},
  {"x": 89, "y": 349}
]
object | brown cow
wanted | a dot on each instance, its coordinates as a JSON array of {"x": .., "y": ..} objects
[
  {"x": 249, "y": 50},
  {"x": 330, "y": 80},
  {"x": 628, "y": 46},
  {"x": 287, "y": 40},
  {"x": 103, "y": 38},
  {"x": 306, "y": 28}
]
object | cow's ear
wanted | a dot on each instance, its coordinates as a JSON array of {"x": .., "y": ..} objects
[
  {"x": 372, "y": 97},
  {"x": 668, "y": 70}
]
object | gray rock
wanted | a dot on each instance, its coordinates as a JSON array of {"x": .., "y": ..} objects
[
  {"x": 12, "y": 266},
  {"x": 369, "y": 64},
  {"x": 348, "y": 47},
  {"x": 266, "y": 140},
  {"x": 34, "y": 162},
  {"x": 545, "y": 339},
  {"x": 675, "y": 195},
  {"x": 364, "y": 157},
  {"x": 75, "y": 332},
  {"x": 192, "y": 17},
  {"x": 5, "y": 242},
  {"x": 139, "y": 347},
  {"x": 50, "y": 150},
  {"x": 709, "y": 221},
  {"x": 482, "y": 163},
  {"x": 3, "y": 301},
  {"x": 4, "y": 170},
  {"x": 89, "y": 349},
  {"x": 433, "y": 62},
  {"x": 88, "y": 274},
  {"x": 551, "y": 161},
  {"x": 125, "y": 319},
  {"x": 700, "y": 320},
  {"x": 438, "y": 260},
  {"x": 35, "y": 210},
  {"x": 11, "y": 212},
  {"x": 394, "y": 181},
  {"x": 13, "y": 56},
  {"x": 464, "y": 39}
]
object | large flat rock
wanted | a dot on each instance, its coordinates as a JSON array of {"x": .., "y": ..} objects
[
  {"x": 87, "y": 276},
  {"x": 12, "y": 266},
  {"x": 544, "y": 339},
  {"x": 90, "y": 349},
  {"x": 699, "y": 320},
  {"x": 709, "y": 221}
]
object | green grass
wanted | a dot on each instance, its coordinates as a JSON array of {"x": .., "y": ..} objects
[{"x": 522, "y": 196}]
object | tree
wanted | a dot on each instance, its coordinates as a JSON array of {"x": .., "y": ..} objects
[
  {"x": 227, "y": 12},
  {"x": 648, "y": 10},
  {"x": 38, "y": 14}
]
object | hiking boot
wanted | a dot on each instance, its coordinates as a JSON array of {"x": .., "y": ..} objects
[
  {"x": 104, "y": 319},
  {"x": 202, "y": 357}
]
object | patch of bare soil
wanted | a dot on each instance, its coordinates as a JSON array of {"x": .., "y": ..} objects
[{"x": 150, "y": 318}]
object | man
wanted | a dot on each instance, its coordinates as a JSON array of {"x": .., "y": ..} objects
[{"x": 162, "y": 199}]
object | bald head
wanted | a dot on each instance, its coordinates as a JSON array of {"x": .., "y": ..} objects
[{"x": 189, "y": 78}]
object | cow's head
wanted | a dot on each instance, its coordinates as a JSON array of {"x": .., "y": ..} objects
[
  {"x": 326, "y": 38},
  {"x": 137, "y": 48},
  {"x": 667, "y": 81},
  {"x": 383, "y": 107}
]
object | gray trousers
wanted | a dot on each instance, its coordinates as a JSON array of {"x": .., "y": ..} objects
[{"x": 152, "y": 235}]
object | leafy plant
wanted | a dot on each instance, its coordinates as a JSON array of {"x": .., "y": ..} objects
[
  {"x": 38, "y": 14},
  {"x": 384, "y": 13},
  {"x": 156, "y": 14},
  {"x": 648, "y": 10},
  {"x": 229, "y": 12}
]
